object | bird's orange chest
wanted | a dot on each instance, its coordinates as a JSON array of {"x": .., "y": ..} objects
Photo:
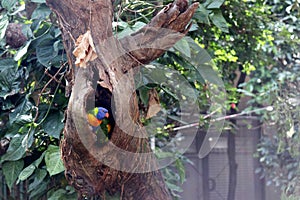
[{"x": 93, "y": 121}]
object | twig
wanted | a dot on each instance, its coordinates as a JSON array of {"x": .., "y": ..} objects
[
  {"x": 122, "y": 191},
  {"x": 268, "y": 108},
  {"x": 52, "y": 77},
  {"x": 44, "y": 88}
]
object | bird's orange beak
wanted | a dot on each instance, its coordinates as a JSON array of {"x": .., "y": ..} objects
[{"x": 106, "y": 115}]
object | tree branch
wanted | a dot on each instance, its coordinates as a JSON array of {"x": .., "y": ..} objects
[{"x": 147, "y": 44}]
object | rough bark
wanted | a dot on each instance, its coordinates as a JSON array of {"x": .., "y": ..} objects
[{"x": 91, "y": 169}]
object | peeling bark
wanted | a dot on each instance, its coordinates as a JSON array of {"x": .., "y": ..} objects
[{"x": 117, "y": 166}]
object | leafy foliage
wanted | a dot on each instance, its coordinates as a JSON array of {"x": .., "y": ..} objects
[
  {"x": 32, "y": 81},
  {"x": 257, "y": 38},
  {"x": 277, "y": 84},
  {"x": 31, "y": 101}
]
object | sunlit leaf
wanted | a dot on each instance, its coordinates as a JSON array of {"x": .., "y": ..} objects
[
  {"x": 53, "y": 160},
  {"x": 8, "y": 4},
  {"x": 28, "y": 171},
  {"x": 209, "y": 74},
  {"x": 3, "y": 25},
  {"x": 21, "y": 109},
  {"x": 22, "y": 51},
  {"x": 174, "y": 187},
  {"x": 213, "y": 4},
  {"x": 183, "y": 47},
  {"x": 15, "y": 150},
  {"x": 218, "y": 20},
  {"x": 180, "y": 167}
]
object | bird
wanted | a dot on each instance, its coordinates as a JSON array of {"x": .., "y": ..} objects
[
  {"x": 98, "y": 120},
  {"x": 96, "y": 115}
]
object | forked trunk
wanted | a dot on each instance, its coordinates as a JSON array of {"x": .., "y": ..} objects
[{"x": 125, "y": 165}]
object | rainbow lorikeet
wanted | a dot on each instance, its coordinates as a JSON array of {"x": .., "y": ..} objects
[{"x": 98, "y": 119}]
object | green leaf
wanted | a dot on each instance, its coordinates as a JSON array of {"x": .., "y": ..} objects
[
  {"x": 40, "y": 175},
  {"x": 53, "y": 124},
  {"x": 8, "y": 4},
  {"x": 209, "y": 74},
  {"x": 120, "y": 24},
  {"x": 29, "y": 137},
  {"x": 21, "y": 109},
  {"x": 39, "y": 191},
  {"x": 201, "y": 15},
  {"x": 53, "y": 160},
  {"x": 127, "y": 31},
  {"x": 46, "y": 52},
  {"x": 64, "y": 193},
  {"x": 28, "y": 171},
  {"x": 181, "y": 170},
  {"x": 11, "y": 171},
  {"x": 153, "y": 74},
  {"x": 15, "y": 150},
  {"x": 176, "y": 118},
  {"x": 57, "y": 195},
  {"x": 213, "y": 4},
  {"x": 23, "y": 119},
  {"x": 245, "y": 92},
  {"x": 138, "y": 25},
  {"x": 174, "y": 187},
  {"x": 170, "y": 92},
  {"x": 144, "y": 95},
  {"x": 183, "y": 47},
  {"x": 41, "y": 12},
  {"x": 163, "y": 154},
  {"x": 10, "y": 80},
  {"x": 22, "y": 51},
  {"x": 17, "y": 9},
  {"x": 218, "y": 20},
  {"x": 7, "y": 64},
  {"x": 199, "y": 55},
  {"x": 3, "y": 26}
]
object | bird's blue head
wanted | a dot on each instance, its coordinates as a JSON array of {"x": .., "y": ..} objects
[{"x": 101, "y": 113}]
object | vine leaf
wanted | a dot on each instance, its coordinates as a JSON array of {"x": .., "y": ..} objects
[
  {"x": 85, "y": 50},
  {"x": 11, "y": 171},
  {"x": 53, "y": 160}
]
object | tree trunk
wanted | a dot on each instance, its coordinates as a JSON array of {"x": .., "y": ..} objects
[
  {"x": 125, "y": 164},
  {"x": 232, "y": 167}
]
